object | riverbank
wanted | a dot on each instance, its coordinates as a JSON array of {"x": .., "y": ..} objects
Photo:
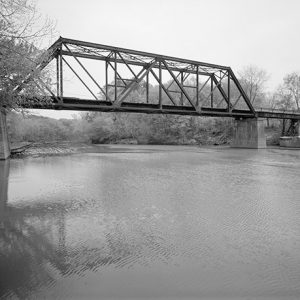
[
  {"x": 67, "y": 148},
  {"x": 22, "y": 150},
  {"x": 39, "y": 149}
]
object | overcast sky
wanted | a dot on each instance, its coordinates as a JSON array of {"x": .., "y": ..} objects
[{"x": 234, "y": 33}]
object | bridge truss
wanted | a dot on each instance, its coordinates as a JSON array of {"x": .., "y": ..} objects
[
  {"x": 136, "y": 81},
  {"x": 164, "y": 84}
]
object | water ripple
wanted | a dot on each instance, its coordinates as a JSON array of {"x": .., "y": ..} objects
[{"x": 192, "y": 223}]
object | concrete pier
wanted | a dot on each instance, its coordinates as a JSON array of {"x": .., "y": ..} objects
[
  {"x": 249, "y": 133},
  {"x": 291, "y": 141},
  {"x": 297, "y": 126},
  {"x": 4, "y": 142},
  {"x": 4, "y": 175}
]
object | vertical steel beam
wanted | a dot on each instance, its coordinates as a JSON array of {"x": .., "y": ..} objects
[
  {"x": 197, "y": 86},
  {"x": 118, "y": 75},
  {"x": 160, "y": 88},
  {"x": 147, "y": 88},
  {"x": 211, "y": 92},
  {"x": 200, "y": 90},
  {"x": 57, "y": 77},
  {"x": 106, "y": 81},
  {"x": 228, "y": 92},
  {"x": 181, "y": 93},
  {"x": 116, "y": 89},
  {"x": 61, "y": 75}
]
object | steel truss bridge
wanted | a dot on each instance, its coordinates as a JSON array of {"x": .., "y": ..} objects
[{"x": 167, "y": 85}]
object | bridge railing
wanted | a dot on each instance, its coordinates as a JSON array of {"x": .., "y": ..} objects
[
  {"x": 277, "y": 110},
  {"x": 278, "y": 113}
]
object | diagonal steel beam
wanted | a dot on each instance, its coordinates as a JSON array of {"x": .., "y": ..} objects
[
  {"x": 44, "y": 60},
  {"x": 39, "y": 87},
  {"x": 236, "y": 102},
  {"x": 244, "y": 95},
  {"x": 219, "y": 104},
  {"x": 46, "y": 87},
  {"x": 215, "y": 87},
  {"x": 180, "y": 86},
  {"x": 218, "y": 85},
  {"x": 169, "y": 85},
  {"x": 162, "y": 86},
  {"x": 133, "y": 84},
  {"x": 128, "y": 66},
  {"x": 87, "y": 72},
  {"x": 80, "y": 78},
  {"x": 117, "y": 73},
  {"x": 199, "y": 91},
  {"x": 183, "y": 78}
]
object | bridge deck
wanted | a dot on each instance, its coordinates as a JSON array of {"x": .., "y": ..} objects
[{"x": 106, "y": 106}]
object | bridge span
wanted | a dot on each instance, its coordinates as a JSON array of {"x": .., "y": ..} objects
[{"x": 125, "y": 80}]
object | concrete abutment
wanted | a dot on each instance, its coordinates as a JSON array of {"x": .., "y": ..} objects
[
  {"x": 249, "y": 133},
  {"x": 4, "y": 141}
]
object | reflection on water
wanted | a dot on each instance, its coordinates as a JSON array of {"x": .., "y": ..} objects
[{"x": 151, "y": 222}]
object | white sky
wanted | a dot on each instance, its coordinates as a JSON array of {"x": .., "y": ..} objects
[{"x": 234, "y": 33}]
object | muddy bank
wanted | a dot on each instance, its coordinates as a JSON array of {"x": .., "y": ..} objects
[{"x": 22, "y": 150}]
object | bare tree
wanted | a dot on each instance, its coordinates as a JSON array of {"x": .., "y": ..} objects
[
  {"x": 291, "y": 87},
  {"x": 283, "y": 100},
  {"x": 19, "y": 19},
  {"x": 253, "y": 81},
  {"x": 22, "y": 32}
]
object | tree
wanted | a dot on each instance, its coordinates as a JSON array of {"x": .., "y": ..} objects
[
  {"x": 20, "y": 19},
  {"x": 283, "y": 100},
  {"x": 291, "y": 87},
  {"x": 253, "y": 81},
  {"x": 287, "y": 95},
  {"x": 22, "y": 32}
]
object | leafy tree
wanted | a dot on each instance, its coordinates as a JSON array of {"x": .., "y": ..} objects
[{"x": 253, "y": 80}]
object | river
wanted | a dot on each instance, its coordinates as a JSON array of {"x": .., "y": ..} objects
[{"x": 154, "y": 222}]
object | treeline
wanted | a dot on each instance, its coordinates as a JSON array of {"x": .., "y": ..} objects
[{"x": 121, "y": 128}]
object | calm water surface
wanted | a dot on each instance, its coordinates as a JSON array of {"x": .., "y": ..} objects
[{"x": 151, "y": 222}]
